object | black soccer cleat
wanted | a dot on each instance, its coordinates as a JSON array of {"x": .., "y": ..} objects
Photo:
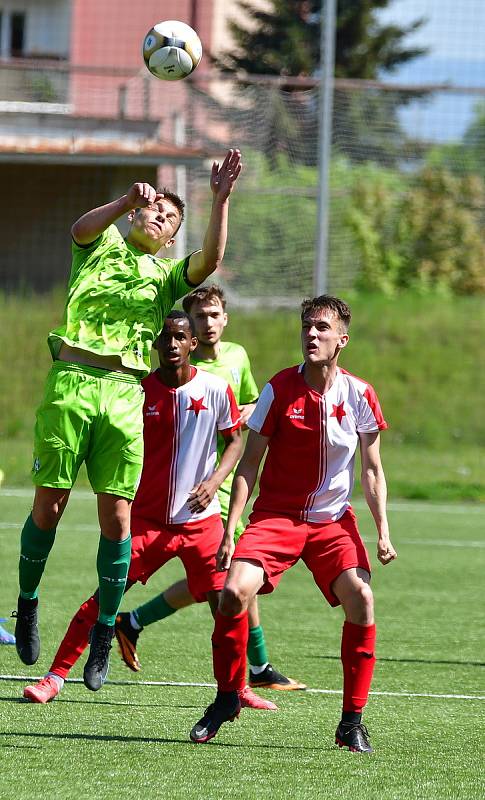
[
  {"x": 270, "y": 678},
  {"x": 127, "y": 637},
  {"x": 225, "y": 708},
  {"x": 355, "y": 736},
  {"x": 97, "y": 665},
  {"x": 27, "y": 639}
]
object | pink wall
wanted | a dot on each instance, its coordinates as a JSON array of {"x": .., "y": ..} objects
[{"x": 110, "y": 33}]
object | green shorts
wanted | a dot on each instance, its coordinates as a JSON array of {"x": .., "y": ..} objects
[
  {"x": 90, "y": 415},
  {"x": 224, "y": 498}
]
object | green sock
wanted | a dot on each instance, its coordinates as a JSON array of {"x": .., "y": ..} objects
[
  {"x": 257, "y": 653},
  {"x": 155, "y": 609},
  {"x": 35, "y": 546},
  {"x": 112, "y": 564}
]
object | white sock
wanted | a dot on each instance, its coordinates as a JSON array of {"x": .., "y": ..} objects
[
  {"x": 134, "y": 622},
  {"x": 58, "y": 678},
  {"x": 258, "y": 670}
]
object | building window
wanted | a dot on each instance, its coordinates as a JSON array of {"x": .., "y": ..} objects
[{"x": 17, "y": 35}]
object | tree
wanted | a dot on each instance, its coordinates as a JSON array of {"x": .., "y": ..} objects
[
  {"x": 426, "y": 235},
  {"x": 283, "y": 39},
  {"x": 467, "y": 156}
]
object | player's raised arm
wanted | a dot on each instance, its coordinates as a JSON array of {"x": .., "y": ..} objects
[
  {"x": 242, "y": 488},
  {"x": 92, "y": 224},
  {"x": 222, "y": 181},
  {"x": 375, "y": 490}
]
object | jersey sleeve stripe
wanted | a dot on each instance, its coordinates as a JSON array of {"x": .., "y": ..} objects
[
  {"x": 258, "y": 417},
  {"x": 231, "y": 419},
  {"x": 374, "y": 406}
]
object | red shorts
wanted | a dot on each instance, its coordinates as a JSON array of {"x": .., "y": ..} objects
[
  {"x": 327, "y": 549},
  {"x": 195, "y": 543}
]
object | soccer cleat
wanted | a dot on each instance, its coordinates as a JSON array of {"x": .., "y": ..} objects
[
  {"x": 225, "y": 708},
  {"x": 127, "y": 637},
  {"x": 354, "y": 736},
  {"x": 270, "y": 678},
  {"x": 248, "y": 699},
  {"x": 27, "y": 639},
  {"x": 5, "y": 636},
  {"x": 42, "y": 692},
  {"x": 97, "y": 665}
]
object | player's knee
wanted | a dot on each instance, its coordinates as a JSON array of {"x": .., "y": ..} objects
[
  {"x": 46, "y": 515},
  {"x": 115, "y": 526},
  {"x": 233, "y": 601},
  {"x": 114, "y": 516},
  {"x": 364, "y": 602}
]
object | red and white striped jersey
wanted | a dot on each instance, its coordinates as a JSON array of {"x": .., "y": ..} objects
[
  {"x": 308, "y": 473},
  {"x": 180, "y": 436}
]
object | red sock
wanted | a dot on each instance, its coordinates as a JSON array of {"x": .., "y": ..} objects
[
  {"x": 229, "y": 643},
  {"x": 76, "y": 638},
  {"x": 358, "y": 659}
]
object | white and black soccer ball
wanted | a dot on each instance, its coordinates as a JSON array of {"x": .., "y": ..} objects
[{"x": 171, "y": 50}]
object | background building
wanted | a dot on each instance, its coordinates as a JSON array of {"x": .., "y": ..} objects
[{"x": 80, "y": 119}]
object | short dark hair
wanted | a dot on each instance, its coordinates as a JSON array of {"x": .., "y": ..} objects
[
  {"x": 182, "y": 315},
  {"x": 327, "y": 302},
  {"x": 204, "y": 293}
]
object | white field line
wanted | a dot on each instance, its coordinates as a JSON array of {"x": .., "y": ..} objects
[
  {"x": 410, "y": 506},
  {"x": 426, "y": 695},
  {"x": 369, "y": 539},
  {"x": 416, "y": 507}
]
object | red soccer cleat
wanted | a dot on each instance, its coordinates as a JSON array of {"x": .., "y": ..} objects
[
  {"x": 42, "y": 692},
  {"x": 248, "y": 699}
]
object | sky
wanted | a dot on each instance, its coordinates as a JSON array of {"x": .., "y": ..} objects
[
  {"x": 454, "y": 33},
  {"x": 454, "y": 29}
]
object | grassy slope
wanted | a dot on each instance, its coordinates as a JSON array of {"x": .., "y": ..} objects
[
  {"x": 424, "y": 355},
  {"x": 131, "y": 741}
]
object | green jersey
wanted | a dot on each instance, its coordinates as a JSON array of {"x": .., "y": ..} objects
[
  {"x": 117, "y": 300},
  {"x": 232, "y": 364}
]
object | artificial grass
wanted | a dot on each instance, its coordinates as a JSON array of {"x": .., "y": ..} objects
[{"x": 131, "y": 740}]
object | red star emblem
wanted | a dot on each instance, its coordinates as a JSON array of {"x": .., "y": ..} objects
[
  {"x": 197, "y": 406},
  {"x": 338, "y": 411}
]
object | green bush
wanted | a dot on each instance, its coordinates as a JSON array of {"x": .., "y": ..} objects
[{"x": 426, "y": 236}]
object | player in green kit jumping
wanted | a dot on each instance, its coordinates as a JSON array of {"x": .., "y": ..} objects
[
  {"x": 118, "y": 295},
  {"x": 207, "y": 307}
]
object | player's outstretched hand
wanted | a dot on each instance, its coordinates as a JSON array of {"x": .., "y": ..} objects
[
  {"x": 385, "y": 550},
  {"x": 141, "y": 195},
  {"x": 224, "y": 554},
  {"x": 224, "y": 177}
]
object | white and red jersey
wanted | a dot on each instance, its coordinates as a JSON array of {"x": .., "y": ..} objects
[
  {"x": 309, "y": 469},
  {"x": 180, "y": 436}
]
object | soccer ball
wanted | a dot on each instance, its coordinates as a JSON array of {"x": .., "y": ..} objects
[{"x": 171, "y": 50}]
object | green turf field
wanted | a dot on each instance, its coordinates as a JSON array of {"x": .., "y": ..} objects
[{"x": 426, "y": 715}]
